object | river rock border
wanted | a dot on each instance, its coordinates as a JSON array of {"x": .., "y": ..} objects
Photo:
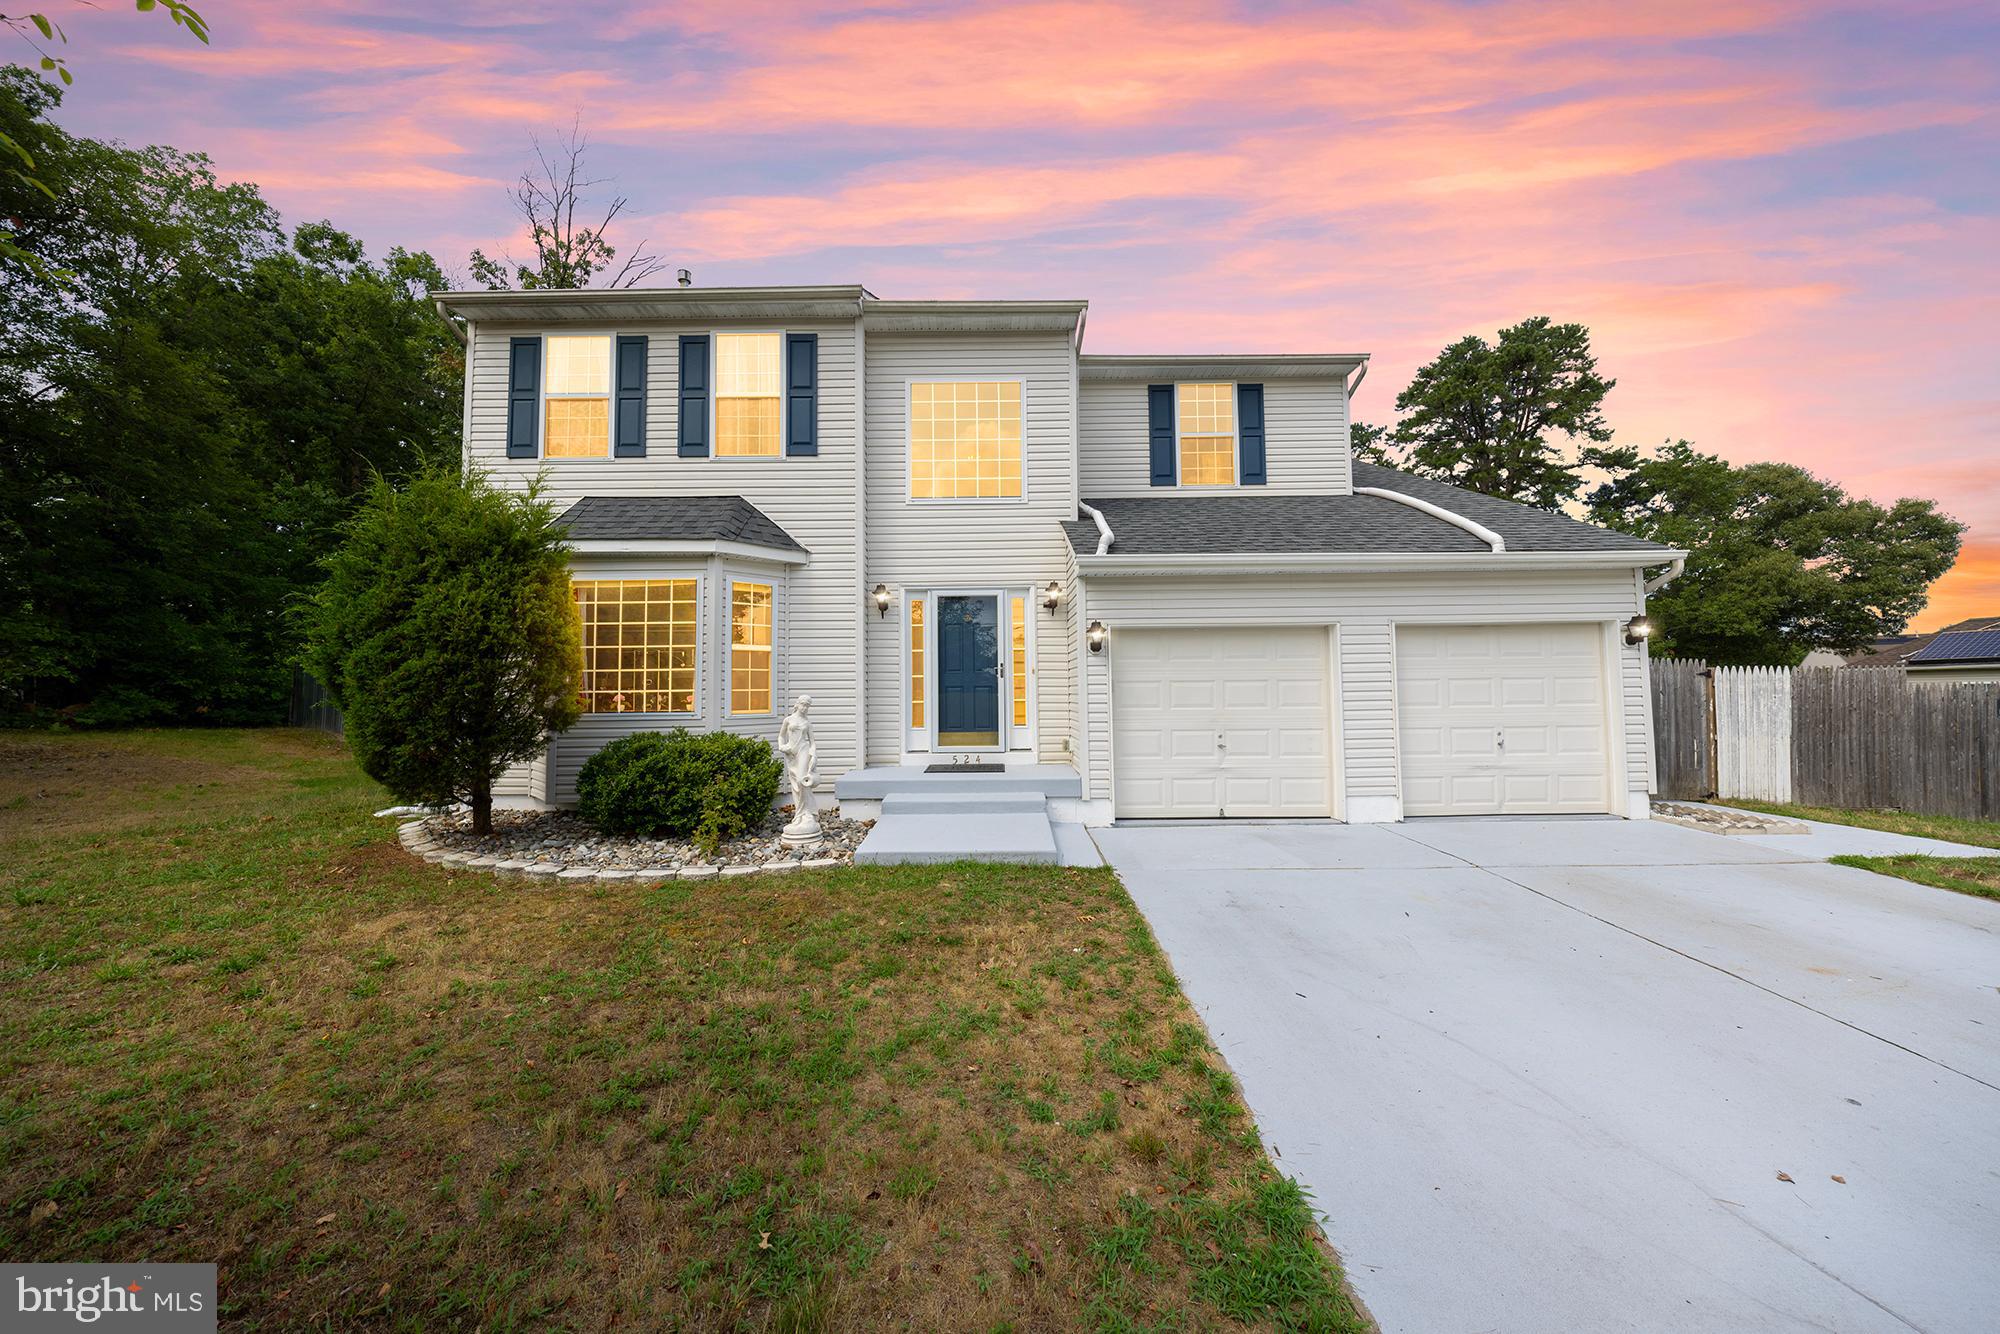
[{"x": 417, "y": 842}]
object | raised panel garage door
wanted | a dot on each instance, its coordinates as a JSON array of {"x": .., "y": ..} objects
[
  {"x": 1209, "y": 722},
  {"x": 1502, "y": 719}
]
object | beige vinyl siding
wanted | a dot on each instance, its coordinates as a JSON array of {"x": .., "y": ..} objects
[
  {"x": 816, "y": 500},
  {"x": 1366, "y": 607},
  {"x": 1006, "y": 543},
  {"x": 1305, "y": 440}
]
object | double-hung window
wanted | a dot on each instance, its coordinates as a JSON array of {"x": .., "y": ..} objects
[
  {"x": 965, "y": 440},
  {"x": 749, "y": 647},
  {"x": 749, "y": 395},
  {"x": 638, "y": 644},
  {"x": 576, "y": 406},
  {"x": 1206, "y": 434}
]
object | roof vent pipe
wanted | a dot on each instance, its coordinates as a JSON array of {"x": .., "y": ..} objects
[{"x": 684, "y": 278}]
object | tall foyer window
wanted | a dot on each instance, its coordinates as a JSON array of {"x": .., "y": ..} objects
[
  {"x": 965, "y": 440},
  {"x": 638, "y": 644},
  {"x": 1207, "y": 415},
  {"x": 749, "y": 648},
  {"x": 577, "y": 403},
  {"x": 749, "y": 395},
  {"x": 916, "y": 662}
]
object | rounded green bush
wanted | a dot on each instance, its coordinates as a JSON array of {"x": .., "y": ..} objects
[{"x": 710, "y": 787}]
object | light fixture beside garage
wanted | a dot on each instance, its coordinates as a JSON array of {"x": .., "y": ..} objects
[
  {"x": 1094, "y": 636},
  {"x": 1638, "y": 630},
  {"x": 882, "y": 599},
  {"x": 1051, "y": 596}
]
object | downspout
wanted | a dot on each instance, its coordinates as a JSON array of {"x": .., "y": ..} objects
[
  {"x": 450, "y": 323},
  {"x": 1660, "y": 581},
  {"x": 1478, "y": 530},
  {"x": 1103, "y": 529}
]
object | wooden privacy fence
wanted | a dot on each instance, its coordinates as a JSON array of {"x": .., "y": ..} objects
[
  {"x": 1863, "y": 738},
  {"x": 311, "y": 706}
]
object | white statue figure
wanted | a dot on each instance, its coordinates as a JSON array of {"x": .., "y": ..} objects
[{"x": 795, "y": 744}]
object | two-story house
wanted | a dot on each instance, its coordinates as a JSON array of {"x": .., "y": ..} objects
[{"x": 1162, "y": 578}]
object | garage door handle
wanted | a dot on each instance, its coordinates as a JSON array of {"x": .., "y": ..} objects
[{"x": 1499, "y": 738}]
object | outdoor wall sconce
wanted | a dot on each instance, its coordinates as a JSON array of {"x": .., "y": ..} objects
[
  {"x": 1094, "y": 636},
  {"x": 1638, "y": 630},
  {"x": 882, "y": 599},
  {"x": 1051, "y": 596}
]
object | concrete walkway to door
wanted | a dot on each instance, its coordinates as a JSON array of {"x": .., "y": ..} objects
[{"x": 1584, "y": 1075}]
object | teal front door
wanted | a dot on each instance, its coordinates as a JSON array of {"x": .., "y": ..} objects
[{"x": 968, "y": 648}]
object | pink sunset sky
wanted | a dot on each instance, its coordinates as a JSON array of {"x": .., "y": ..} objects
[{"x": 1779, "y": 220}]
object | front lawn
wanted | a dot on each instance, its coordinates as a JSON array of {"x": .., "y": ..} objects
[
  {"x": 238, "y": 1024},
  {"x": 1950, "y": 828},
  {"x": 1978, "y": 876}
]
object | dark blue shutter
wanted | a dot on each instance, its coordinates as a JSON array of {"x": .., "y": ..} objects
[
  {"x": 524, "y": 391},
  {"x": 1250, "y": 434},
  {"x": 801, "y": 395},
  {"x": 694, "y": 396},
  {"x": 1160, "y": 431},
  {"x": 629, "y": 441}
]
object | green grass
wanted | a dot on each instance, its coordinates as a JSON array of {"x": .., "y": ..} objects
[
  {"x": 239, "y": 1025},
  {"x": 1950, "y": 828},
  {"x": 1977, "y": 876}
]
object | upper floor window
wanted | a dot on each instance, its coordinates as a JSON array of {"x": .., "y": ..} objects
[
  {"x": 965, "y": 440},
  {"x": 749, "y": 395},
  {"x": 1207, "y": 434},
  {"x": 638, "y": 644},
  {"x": 576, "y": 410},
  {"x": 749, "y": 648}
]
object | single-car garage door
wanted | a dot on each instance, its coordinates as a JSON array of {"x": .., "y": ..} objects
[
  {"x": 1502, "y": 719},
  {"x": 1210, "y": 722}
]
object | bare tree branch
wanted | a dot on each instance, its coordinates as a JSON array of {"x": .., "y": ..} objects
[{"x": 566, "y": 255}]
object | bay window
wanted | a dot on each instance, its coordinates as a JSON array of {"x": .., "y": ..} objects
[
  {"x": 638, "y": 644},
  {"x": 749, "y": 648}
]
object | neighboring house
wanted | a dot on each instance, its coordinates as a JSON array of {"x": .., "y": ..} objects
[
  {"x": 1160, "y": 576},
  {"x": 1956, "y": 656},
  {"x": 1949, "y": 664}
]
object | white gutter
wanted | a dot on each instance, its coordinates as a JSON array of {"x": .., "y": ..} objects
[
  {"x": 1359, "y": 376},
  {"x": 1243, "y": 562},
  {"x": 1660, "y": 581},
  {"x": 1480, "y": 531},
  {"x": 664, "y": 547},
  {"x": 1103, "y": 529}
]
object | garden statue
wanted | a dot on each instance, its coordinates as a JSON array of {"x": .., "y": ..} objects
[{"x": 795, "y": 745}]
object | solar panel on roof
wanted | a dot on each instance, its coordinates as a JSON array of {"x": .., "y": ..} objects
[{"x": 1961, "y": 646}]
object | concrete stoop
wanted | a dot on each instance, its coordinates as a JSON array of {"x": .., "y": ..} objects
[{"x": 967, "y": 817}]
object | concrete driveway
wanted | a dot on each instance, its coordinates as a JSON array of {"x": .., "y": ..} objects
[{"x": 1545, "y": 1075}]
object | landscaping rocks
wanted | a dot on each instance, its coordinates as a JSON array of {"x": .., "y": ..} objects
[
  {"x": 1721, "y": 820},
  {"x": 558, "y": 845}
]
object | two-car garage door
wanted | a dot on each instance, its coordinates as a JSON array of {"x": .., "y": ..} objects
[{"x": 1237, "y": 721}]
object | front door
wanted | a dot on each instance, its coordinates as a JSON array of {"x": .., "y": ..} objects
[{"x": 968, "y": 649}]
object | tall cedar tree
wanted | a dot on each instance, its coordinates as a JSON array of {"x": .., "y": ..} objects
[
  {"x": 1782, "y": 562},
  {"x": 190, "y": 408},
  {"x": 446, "y": 633},
  {"x": 1484, "y": 415}
]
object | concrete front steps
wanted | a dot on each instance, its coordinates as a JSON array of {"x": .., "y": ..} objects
[{"x": 966, "y": 817}]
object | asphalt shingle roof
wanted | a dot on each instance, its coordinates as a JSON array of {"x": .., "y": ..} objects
[
  {"x": 1963, "y": 646},
  {"x": 674, "y": 519},
  {"x": 1181, "y": 524}
]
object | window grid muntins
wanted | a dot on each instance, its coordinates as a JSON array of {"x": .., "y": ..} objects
[
  {"x": 749, "y": 402},
  {"x": 577, "y": 412},
  {"x": 916, "y": 662},
  {"x": 1207, "y": 434},
  {"x": 1020, "y": 618},
  {"x": 965, "y": 440},
  {"x": 749, "y": 648},
  {"x": 638, "y": 644}
]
